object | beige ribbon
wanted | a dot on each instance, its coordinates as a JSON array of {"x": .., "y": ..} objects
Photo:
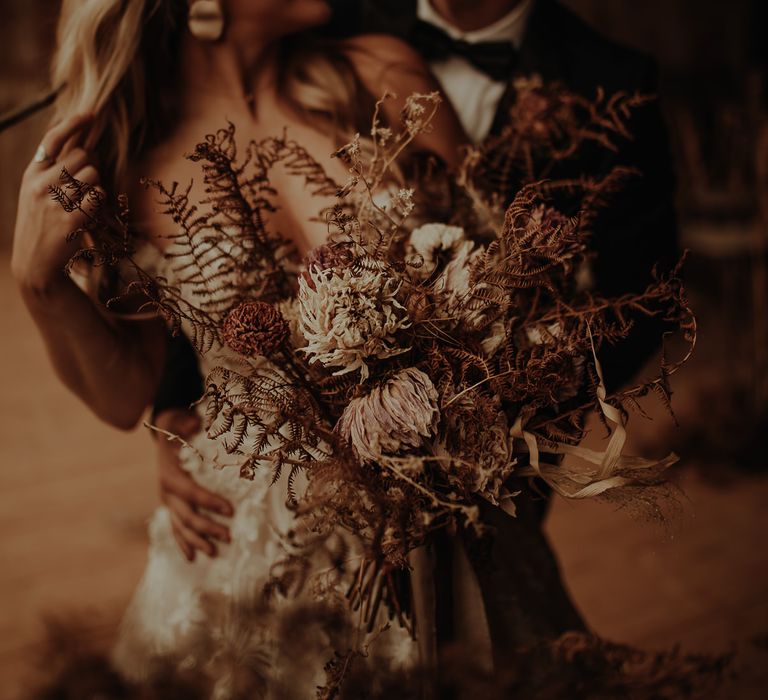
[{"x": 608, "y": 461}]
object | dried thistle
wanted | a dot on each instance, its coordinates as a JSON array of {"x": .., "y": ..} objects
[{"x": 255, "y": 328}]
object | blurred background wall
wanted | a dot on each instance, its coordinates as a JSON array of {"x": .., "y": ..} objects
[
  {"x": 713, "y": 60},
  {"x": 712, "y": 57},
  {"x": 26, "y": 39}
]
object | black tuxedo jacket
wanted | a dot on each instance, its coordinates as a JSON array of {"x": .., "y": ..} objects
[
  {"x": 639, "y": 229},
  {"x": 635, "y": 233}
]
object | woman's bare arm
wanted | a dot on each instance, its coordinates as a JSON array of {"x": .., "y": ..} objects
[{"x": 114, "y": 366}]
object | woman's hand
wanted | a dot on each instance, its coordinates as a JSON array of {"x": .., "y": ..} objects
[
  {"x": 112, "y": 364},
  {"x": 186, "y": 500},
  {"x": 40, "y": 247}
]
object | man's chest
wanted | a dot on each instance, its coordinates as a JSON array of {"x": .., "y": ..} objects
[{"x": 473, "y": 95}]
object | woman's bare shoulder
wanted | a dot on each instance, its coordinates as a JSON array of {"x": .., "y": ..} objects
[
  {"x": 385, "y": 47},
  {"x": 378, "y": 57}
]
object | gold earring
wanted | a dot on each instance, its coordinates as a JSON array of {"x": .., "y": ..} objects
[{"x": 206, "y": 20}]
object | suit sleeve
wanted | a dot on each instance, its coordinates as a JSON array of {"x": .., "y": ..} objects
[
  {"x": 181, "y": 384},
  {"x": 638, "y": 232}
]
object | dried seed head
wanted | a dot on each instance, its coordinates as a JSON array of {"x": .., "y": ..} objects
[{"x": 255, "y": 328}]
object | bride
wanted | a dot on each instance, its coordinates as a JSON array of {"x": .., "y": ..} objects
[{"x": 141, "y": 82}]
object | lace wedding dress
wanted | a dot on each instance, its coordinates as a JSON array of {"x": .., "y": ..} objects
[{"x": 210, "y": 618}]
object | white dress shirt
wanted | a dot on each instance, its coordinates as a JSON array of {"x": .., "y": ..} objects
[{"x": 474, "y": 95}]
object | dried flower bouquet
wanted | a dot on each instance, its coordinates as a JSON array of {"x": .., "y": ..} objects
[{"x": 418, "y": 361}]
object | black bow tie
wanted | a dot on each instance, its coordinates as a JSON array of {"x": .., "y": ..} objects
[{"x": 496, "y": 59}]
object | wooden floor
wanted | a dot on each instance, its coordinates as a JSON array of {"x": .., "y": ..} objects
[{"x": 74, "y": 497}]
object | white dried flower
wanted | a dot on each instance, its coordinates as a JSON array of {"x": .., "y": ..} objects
[
  {"x": 415, "y": 116},
  {"x": 453, "y": 285},
  {"x": 398, "y": 415},
  {"x": 348, "y": 318},
  {"x": 455, "y": 278},
  {"x": 394, "y": 199},
  {"x": 403, "y": 201},
  {"x": 430, "y": 240},
  {"x": 382, "y": 134}
]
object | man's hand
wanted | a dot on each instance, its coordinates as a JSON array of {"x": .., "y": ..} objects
[{"x": 186, "y": 500}]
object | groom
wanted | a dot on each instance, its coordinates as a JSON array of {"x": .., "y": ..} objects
[{"x": 476, "y": 48}]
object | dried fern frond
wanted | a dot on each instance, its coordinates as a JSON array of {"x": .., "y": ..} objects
[{"x": 487, "y": 306}]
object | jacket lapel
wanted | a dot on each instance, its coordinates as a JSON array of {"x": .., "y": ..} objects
[{"x": 544, "y": 36}]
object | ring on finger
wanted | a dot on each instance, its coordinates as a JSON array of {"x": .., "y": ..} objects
[{"x": 41, "y": 155}]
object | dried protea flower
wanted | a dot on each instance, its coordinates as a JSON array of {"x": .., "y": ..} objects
[
  {"x": 398, "y": 415},
  {"x": 255, "y": 328},
  {"x": 348, "y": 318}
]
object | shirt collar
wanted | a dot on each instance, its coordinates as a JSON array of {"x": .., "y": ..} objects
[{"x": 511, "y": 27}]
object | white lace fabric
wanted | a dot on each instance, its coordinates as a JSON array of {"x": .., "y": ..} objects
[{"x": 184, "y": 616}]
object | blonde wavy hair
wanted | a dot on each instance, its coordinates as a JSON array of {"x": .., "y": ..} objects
[{"x": 119, "y": 60}]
